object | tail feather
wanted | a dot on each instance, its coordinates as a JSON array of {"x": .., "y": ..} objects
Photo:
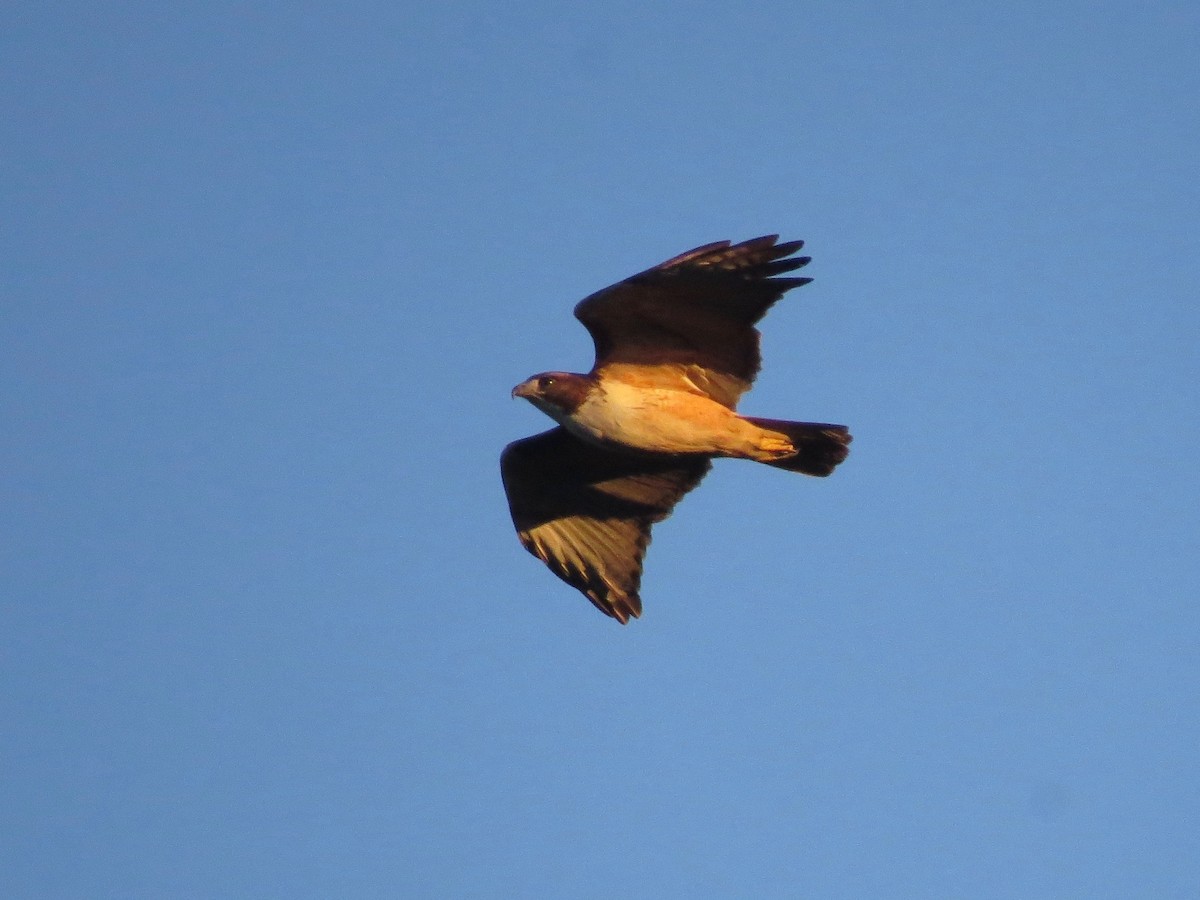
[{"x": 819, "y": 447}]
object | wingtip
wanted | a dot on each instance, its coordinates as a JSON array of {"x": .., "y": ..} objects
[
  {"x": 620, "y": 607},
  {"x": 624, "y": 613},
  {"x": 787, "y": 248}
]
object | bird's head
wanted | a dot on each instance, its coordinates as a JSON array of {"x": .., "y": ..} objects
[{"x": 557, "y": 394}]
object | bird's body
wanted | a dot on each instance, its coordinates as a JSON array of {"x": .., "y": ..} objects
[
  {"x": 624, "y": 415},
  {"x": 675, "y": 350}
]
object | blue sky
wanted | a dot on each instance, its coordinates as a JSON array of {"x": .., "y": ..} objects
[{"x": 269, "y": 276}]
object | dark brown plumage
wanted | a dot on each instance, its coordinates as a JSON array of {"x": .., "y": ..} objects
[
  {"x": 587, "y": 512},
  {"x": 697, "y": 310}
]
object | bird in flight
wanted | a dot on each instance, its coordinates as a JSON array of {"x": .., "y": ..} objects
[{"x": 676, "y": 348}]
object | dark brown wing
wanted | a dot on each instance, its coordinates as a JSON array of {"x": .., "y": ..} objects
[
  {"x": 586, "y": 512},
  {"x": 693, "y": 316}
]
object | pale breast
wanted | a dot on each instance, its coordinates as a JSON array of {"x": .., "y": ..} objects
[{"x": 656, "y": 419}]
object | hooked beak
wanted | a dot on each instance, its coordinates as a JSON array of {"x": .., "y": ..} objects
[{"x": 524, "y": 389}]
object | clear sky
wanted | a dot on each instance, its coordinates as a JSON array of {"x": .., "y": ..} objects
[{"x": 269, "y": 273}]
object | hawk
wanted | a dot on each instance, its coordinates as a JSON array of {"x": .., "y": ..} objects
[{"x": 676, "y": 348}]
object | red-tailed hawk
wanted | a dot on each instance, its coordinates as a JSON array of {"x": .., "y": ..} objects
[{"x": 676, "y": 348}]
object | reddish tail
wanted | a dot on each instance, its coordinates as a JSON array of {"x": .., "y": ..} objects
[{"x": 819, "y": 448}]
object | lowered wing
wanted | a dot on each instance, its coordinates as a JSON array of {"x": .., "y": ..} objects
[{"x": 586, "y": 512}]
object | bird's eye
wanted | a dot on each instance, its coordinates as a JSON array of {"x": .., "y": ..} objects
[{"x": 545, "y": 381}]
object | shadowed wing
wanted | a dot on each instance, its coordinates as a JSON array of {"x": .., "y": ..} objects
[
  {"x": 689, "y": 322},
  {"x": 586, "y": 512}
]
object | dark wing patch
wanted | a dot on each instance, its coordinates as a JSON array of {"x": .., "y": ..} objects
[
  {"x": 696, "y": 311},
  {"x": 586, "y": 512}
]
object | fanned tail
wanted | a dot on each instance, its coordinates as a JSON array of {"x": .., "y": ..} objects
[{"x": 819, "y": 447}]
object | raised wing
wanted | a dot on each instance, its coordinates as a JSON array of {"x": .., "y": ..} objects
[
  {"x": 586, "y": 512},
  {"x": 689, "y": 322}
]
